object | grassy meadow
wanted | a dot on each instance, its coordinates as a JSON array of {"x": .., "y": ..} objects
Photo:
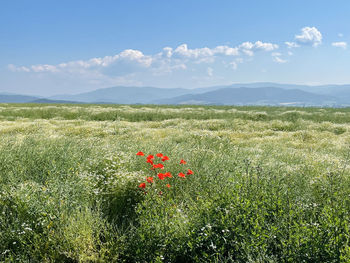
[{"x": 270, "y": 184}]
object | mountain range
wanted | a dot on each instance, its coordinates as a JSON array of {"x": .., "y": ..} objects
[{"x": 261, "y": 93}]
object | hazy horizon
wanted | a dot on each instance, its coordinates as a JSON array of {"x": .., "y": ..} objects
[{"x": 186, "y": 88}]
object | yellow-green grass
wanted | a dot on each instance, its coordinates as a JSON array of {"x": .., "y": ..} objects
[{"x": 271, "y": 184}]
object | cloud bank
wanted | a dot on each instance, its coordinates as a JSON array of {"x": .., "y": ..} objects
[
  {"x": 166, "y": 60},
  {"x": 180, "y": 65}
]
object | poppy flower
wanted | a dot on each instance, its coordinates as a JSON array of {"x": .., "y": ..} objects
[
  {"x": 165, "y": 158},
  {"x": 160, "y": 155},
  {"x": 183, "y": 162},
  {"x": 149, "y": 161},
  {"x": 150, "y": 179},
  {"x": 168, "y": 174},
  {"x": 161, "y": 176},
  {"x": 142, "y": 185},
  {"x": 140, "y": 154},
  {"x": 182, "y": 175},
  {"x": 150, "y": 157},
  {"x": 189, "y": 172},
  {"x": 168, "y": 185},
  {"x": 159, "y": 165}
]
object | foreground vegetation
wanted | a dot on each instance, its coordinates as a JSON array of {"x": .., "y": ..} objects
[{"x": 270, "y": 184}]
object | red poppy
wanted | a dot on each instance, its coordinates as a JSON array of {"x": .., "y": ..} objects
[
  {"x": 142, "y": 185},
  {"x": 161, "y": 176},
  {"x": 168, "y": 174},
  {"x": 182, "y": 175},
  {"x": 183, "y": 162},
  {"x": 189, "y": 172},
  {"x": 150, "y": 179},
  {"x": 149, "y": 161},
  {"x": 160, "y": 155},
  {"x": 165, "y": 158},
  {"x": 150, "y": 157},
  {"x": 140, "y": 154},
  {"x": 168, "y": 185},
  {"x": 159, "y": 165}
]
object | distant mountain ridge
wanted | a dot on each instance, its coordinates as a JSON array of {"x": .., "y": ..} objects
[
  {"x": 15, "y": 98},
  {"x": 124, "y": 95},
  {"x": 332, "y": 89},
  {"x": 253, "y": 96},
  {"x": 259, "y": 93}
]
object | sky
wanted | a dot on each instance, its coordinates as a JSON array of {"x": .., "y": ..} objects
[{"x": 68, "y": 47}]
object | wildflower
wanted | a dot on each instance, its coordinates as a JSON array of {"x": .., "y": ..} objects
[
  {"x": 161, "y": 176},
  {"x": 182, "y": 175},
  {"x": 149, "y": 161},
  {"x": 159, "y": 165},
  {"x": 189, "y": 172},
  {"x": 168, "y": 174},
  {"x": 150, "y": 179},
  {"x": 165, "y": 158}
]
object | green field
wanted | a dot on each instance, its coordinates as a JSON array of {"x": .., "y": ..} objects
[{"x": 270, "y": 184}]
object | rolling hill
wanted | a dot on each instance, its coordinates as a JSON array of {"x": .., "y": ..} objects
[
  {"x": 253, "y": 96},
  {"x": 260, "y": 93},
  {"x": 123, "y": 95},
  {"x": 15, "y": 98}
]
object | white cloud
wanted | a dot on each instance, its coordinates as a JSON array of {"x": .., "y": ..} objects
[
  {"x": 341, "y": 44},
  {"x": 226, "y": 50},
  {"x": 248, "y": 52},
  {"x": 132, "y": 61},
  {"x": 234, "y": 64},
  {"x": 127, "y": 57},
  {"x": 279, "y": 60},
  {"x": 184, "y": 51},
  {"x": 265, "y": 46},
  {"x": 17, "y": 69},
  {"x": 309, "y": 36},
  {"x": 277, "y": 57},
  {"x": 167, "y": 52},
  {"x": 135, "y": 56},
  {"x": 291, "y": 44},
  {"x": 44, "y": 68},
  {"x": 258, "y": 45},
  {"x": 248, "y": 47}
]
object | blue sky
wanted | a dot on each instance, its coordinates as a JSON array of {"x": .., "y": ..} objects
[{"x": 54, "y": 47}]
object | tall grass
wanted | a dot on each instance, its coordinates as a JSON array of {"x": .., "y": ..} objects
[
  {"x": 270, "y": 184},
  {"x": 137, "y": 113}
]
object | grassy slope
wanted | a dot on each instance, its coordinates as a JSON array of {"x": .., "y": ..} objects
[{"x": 271, "y": 184}]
